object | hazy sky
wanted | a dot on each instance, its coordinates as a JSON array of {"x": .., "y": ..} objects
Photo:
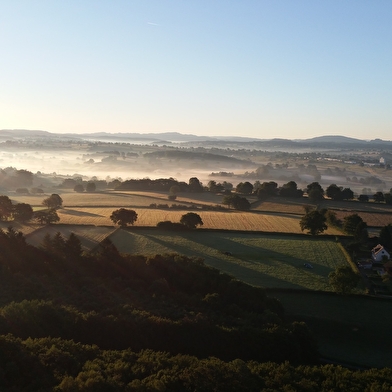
[{"x": 277, "y": 68}]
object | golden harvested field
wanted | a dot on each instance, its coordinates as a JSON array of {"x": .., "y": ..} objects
[
  {"x": 124, "y": 199},
  {"x": 24, "y": 228},
  {"x": 296, "y": 206},
  {"x": 212, "y": 219},
  {"x": 288, "y": 206},
  {"x": 372, "y": 219},
  {"x": 90, "y": 236},
  {"x": 115, "y": 199}
]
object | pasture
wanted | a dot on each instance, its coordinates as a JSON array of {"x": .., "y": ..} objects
[{"x": 261, "y": 260}]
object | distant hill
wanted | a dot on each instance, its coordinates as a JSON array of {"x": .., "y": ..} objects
[
  {"x": 327, "y": 141},
  {"x": 333, "y": 139}
]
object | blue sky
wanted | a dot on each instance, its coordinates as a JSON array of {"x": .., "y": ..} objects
[{"x": 277, "y": 68}]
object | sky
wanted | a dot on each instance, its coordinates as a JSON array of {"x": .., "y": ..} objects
[{"x": 268, "y": 69}]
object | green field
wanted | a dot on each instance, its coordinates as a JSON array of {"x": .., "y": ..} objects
[{"x": 261, "y": 260}]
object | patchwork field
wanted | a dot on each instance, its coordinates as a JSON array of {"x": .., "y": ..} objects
[
  {"x": 261, "y": 260},
  {"x": 231, "y": 220}
]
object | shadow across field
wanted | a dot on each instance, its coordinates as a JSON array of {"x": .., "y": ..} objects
[
  {"x": 234, "y": 265},
  {"x": 242, "y": 255},
  {"x": 67, "y": 211}
]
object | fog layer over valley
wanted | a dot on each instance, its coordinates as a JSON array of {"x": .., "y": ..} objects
[{"x": 359, "y": 165}]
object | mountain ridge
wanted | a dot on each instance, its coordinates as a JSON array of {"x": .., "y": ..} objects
[{"x": 180, "y": 137}]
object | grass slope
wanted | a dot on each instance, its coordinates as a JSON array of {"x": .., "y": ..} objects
[{"x": 261, "y": 260}]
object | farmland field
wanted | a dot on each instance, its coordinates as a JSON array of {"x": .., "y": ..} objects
[
  {"x": 372, "y": 219},
  {"x": 230, "y": 220},
  {"x": 261, "y": 260},
  {"x": 90, "y": 236},
  {"x": 120, "y": 198},
  {"x": 296, "y": 206}
]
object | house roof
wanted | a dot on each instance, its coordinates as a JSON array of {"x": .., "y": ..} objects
[{"x": 377, "y": 249}]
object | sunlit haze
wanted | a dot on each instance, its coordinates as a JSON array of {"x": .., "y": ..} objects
[{"x": 265, "y": 69}]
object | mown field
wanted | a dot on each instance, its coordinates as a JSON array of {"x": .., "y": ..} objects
[
  {"x": 297, "y": 206},
  {"x": 261, "y": 260},
  {"x": 372, "y": 219},
  {"x": 120, "y": 198},
  {"x": 230, "y": 220}
]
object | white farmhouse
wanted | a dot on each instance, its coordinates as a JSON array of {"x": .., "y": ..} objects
[{"x": 379, "y": 253}]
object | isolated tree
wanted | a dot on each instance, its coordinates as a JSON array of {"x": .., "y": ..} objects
[
  {"x": 6, "y": 208},
  {"x": 174, "y": 189},
  {"x": 267, "y": 189},
  {"x": 350, "y": 223},
  {"x": 343, "y": 279},
  {"x": 334, "y": 192},
  {"x": 236, "y": 202},
  {"x": 215, "y": 187},
  {"x": 22, "y": 212},
  {"x": 53, "y": 201},
  {"x": 191, "y": 220},
  {"x": 347, "y": 194},
  {"x": 46, "y": 216},
  {"x": 227, "y": 186},
  {"x": 290, "y": 190},
  {"x": 195, "y": 185},
  {"x": 229, "y": 200},
  {"x": 242, "y": 204},
  {"x": 363, "y": 198},
  {"x": 378, "y": 197},
  {"x": 315, "y": 191},
  {"x": 314, "y": 221},
  {"x": 79, "y": 188},
  {"x": 91, "y": 187},
  {"x": 124, "y": 217},
  {"x": 245, "y": 188}
]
